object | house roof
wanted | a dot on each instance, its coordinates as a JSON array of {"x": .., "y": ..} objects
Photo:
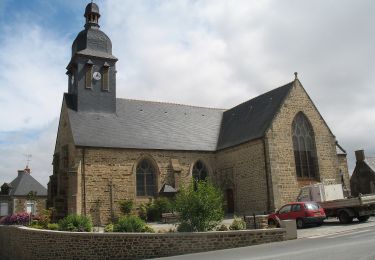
[
  {"x": 24, "y": 183},
  {"x": 251, "y": 119},
  {"x": 156, "y": 125},
  {"x": 370, "y": 161}
]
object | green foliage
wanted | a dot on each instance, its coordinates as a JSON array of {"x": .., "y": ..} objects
[
  {"x": 44, "y": 217},
  {"x": 108, "y": 228},
  {"x": 200, "y": 206},
  {"x": 154, "y": 208},
  {"x": 126, "y": 206},
  {"x": 148, "y": 229},
  {"x": 238, "y": 224},
  {"x": 222, "y": 228},
  {"x": 129, "y": 223},
  {"x": 35, "y": 224},
  {"x": 157, "y": 207},
  {"x": 53, "y": 226},
  {"x": 76, "y": 223}
]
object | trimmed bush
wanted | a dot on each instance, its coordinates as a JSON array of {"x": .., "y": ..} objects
[
  {"x": 200, "y": 206},
  {"x": 126, "y": 206},
  {"x": 131, "y": 223},
  {"x": 157, "y": 207},
  {"x": 76, "y": 223},
  {"x": 238, "y": 224}
]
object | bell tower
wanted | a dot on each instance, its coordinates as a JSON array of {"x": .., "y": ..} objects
[{"x": 92, "y": 68}]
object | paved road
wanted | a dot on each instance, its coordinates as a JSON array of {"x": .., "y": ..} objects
[{"x": 332, "y": 241}]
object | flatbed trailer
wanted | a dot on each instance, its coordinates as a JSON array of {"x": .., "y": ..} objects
[
  {"x": 331, "y": 199},
  {"x": 361, "y": 207}
]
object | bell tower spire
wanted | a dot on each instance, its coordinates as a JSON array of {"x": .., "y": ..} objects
[
  {"x": 92, "y": 16},
  {"x": 92, "y": 68}
]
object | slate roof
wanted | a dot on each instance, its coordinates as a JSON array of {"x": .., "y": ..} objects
[
  {"x": 24, "y": 183},
  {"x": 250, "y": 120},
  {"x": 371, "y": 162},
  {"x": 155, "y": 125},
  {"x": 147, "y": 125}
]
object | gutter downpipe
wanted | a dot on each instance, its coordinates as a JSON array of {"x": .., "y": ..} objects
[
  {"x": 84, "y": 180},
  {"x": 267, "y": 176}
]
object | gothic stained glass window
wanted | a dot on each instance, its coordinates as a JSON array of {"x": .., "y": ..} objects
[
  {"x": 146, "y": 178},
  {"x": 200, "y": 171},
  {"x": 304, "y": 147}
]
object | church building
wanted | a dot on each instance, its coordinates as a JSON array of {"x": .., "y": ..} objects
[{"x": 259, "y": 153}]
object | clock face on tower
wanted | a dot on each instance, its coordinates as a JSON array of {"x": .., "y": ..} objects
[{"x": 96, "y": 75}]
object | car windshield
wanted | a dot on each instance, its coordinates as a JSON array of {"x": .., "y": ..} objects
[{"x": 312, "y": 206}]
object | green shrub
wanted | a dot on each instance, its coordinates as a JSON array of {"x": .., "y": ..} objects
[
  {"x": 153, "y": 209},
  {"x": 76, "y": 223},
  {"x": 200, "y": 206},
  {"x": 129, "y": 223},
  {"x": 108, "y": 228},
  {"x": 126, "y": 206},
  {"x": 148, "y": 229},
  {"x": 222, "y": 228},
  {"x": 44, "y": 217},
  {"x": 35, "y": 224},
  {"x": 238, "y": 224},
  {"x": 53, "y": 226}
]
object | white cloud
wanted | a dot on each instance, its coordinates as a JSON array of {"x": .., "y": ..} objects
[{"x": 214, "y": 53}]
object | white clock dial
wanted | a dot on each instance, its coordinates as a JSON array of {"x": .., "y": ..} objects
[{"x": 97, "y": 75}]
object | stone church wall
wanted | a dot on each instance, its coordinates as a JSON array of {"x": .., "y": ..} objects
[
  {"x": 245, "y": 167},
  {"x": 280, "y": 147},
  {"x": 110, "y": 176}
]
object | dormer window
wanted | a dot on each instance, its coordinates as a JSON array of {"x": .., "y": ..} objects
[
  {"x": 105, "y": 82},
  {"x": 89, "y": 69}
]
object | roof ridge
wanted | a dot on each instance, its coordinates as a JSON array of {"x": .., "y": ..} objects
[
  {"x": 263, "y": 94},
  {"x": 171, "y": 103}
]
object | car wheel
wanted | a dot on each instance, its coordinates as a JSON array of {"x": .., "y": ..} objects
[
  {"x": 363, "y": 218},
  {"x": 344, "y": 217},
  {"x": 299, "y": 223}
]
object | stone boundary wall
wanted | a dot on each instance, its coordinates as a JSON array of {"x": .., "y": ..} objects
[
  {"x": 26, "y": 243},
  {"x": 261, "y": 222}
]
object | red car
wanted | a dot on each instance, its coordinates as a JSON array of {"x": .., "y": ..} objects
[{"x": 303, "y": 212}]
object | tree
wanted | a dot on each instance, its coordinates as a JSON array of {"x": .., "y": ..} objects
[{"x": 200, "y": 206}]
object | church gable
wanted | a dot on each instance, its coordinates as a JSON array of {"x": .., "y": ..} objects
[{"x": 282, "y": 138}]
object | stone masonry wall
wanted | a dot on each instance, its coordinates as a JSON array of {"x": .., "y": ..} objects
[
  {"x": 110, "y": 176},
  {"x": 280, "y": 147},
  {"x": 20, "y": 204},
  {"x": 243, "y": 168},
  {"x": 23, "y": 243}
]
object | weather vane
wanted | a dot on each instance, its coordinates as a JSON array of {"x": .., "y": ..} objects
[{"x": 28, "y": 156}]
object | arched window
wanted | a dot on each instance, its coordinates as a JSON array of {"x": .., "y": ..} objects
[
  {"x": 200, "y": 171},
  {"x": 304, "y": 147},
  {"x": 146, "y": 178}
]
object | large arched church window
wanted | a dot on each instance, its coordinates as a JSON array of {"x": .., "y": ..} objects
[
  {"x": 200, "y": 171},
  {"x": 146, "y": 178},
  {"x": 304, "y": 147}
]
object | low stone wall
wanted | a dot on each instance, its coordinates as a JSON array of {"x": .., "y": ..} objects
[{"x": 24, "y": 243}]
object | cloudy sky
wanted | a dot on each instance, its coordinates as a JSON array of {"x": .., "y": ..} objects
[{"x": 214, "y": 53}]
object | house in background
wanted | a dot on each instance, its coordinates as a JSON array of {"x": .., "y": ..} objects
[
  {"x": 23, "y": 194},
  {"x": 363, "y": 178}
]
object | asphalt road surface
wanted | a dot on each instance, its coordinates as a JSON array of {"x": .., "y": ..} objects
[{"x": 332, "y": 241}]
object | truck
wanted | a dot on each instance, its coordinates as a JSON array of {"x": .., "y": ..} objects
[{"x": 331, "y": 198}]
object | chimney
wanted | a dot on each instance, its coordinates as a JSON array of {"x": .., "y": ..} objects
[
  {"x": 27, "y": 170},
  {"x": 20, "y": 172},
  {"x": 360, "y": 155}
]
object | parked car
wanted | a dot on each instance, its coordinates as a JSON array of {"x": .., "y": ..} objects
[{"x": 306, "y": 212}]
